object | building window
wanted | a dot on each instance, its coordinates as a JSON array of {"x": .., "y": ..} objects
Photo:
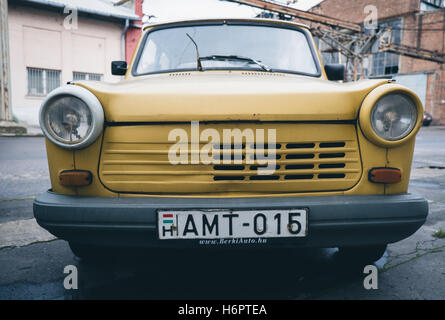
[
  {"x": 42, "y": 81},
  {"x": 385, "y": 63},
  {"x": 87, "y": 76},
  {"x": 426, "y": 5}
]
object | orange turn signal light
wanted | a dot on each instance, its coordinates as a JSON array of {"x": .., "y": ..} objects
[
  {"x": 75, "y": 178},
  {"x": 385, "y": 175}
]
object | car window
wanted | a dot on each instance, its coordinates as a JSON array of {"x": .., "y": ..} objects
[{"x": 280, "y": 49}]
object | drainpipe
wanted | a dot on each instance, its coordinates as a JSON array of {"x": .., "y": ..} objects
[{"x": 124, "y": 32}]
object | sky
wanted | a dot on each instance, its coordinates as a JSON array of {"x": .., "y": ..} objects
[{"x": 191, "y": 9}]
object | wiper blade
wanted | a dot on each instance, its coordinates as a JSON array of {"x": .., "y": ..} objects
[
  {"x": 240, "y": 58},
  {"x": 198, "y": 58}
]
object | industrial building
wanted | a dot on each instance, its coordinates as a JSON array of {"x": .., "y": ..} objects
[
  {"x": 418, "y": 25},
  {"x": 407, "y": 42}
]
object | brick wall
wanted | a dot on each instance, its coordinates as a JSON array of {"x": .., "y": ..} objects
[
  {"x": 353, "y": 10},
  {"x": 432, "y": 38},
  {"x": 435, "y": 97},
  {"x": 133, "y": 34}
]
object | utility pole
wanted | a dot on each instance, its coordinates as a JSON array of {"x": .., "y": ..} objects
[{"x": 7, "y": 126}]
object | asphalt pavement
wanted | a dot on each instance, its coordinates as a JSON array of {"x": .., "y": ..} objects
[{"x": 32, "y": 261}]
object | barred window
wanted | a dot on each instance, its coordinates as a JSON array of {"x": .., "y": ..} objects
[
  {"x": 86, "y": 76},
  {"x": 42, "y": 81}
]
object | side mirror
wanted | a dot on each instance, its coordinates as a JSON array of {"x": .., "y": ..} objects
[
  {"x": 335, "y": 72},
  {"x": 119, "y": 68}
]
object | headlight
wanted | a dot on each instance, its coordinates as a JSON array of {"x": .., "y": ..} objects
[
  {"x": 71, "y": 117},
  {"x": 390, "y": 115},
  {"x": 394, "y": 116}
]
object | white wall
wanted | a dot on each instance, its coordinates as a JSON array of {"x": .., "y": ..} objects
[
  {"x": 416, "y": 82},
  {"x": 38, "y": 39}
]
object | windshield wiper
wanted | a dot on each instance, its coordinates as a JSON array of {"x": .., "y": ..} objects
[
  {"x": 240, "y": 58},
  {"x": 198, "y": 59}
]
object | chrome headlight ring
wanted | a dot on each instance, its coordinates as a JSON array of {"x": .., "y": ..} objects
[
  {"x": 71, "y": 117},
  {"x": 390, "y": 115},
  {"x": 394, "y": 116}
]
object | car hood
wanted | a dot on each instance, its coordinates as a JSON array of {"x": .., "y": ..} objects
[{"x": 229, "y": 96}]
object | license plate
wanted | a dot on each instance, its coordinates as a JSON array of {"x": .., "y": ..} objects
[{"x": 222, "y": 224}]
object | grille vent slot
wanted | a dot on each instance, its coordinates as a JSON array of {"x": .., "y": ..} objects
[{"x": 313, "y": 157}]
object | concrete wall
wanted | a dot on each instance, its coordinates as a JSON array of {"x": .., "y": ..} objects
[
  {"x": 416, "y": 82},
  {"x": 38, "y": 39}
]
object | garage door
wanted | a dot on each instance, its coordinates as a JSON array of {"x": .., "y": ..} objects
[{"x": 416, "y": 82}]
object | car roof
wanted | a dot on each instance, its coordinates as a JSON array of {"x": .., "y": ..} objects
[{"x": 253, "y": 20}]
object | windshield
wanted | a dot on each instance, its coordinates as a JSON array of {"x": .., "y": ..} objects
[{"x": 223, "y": 46}]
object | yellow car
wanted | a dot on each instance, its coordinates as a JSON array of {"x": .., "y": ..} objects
[{"x": 230, "y": 134}]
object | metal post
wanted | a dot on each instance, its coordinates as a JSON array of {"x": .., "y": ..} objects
[
  {"x": 355, "y": 68},
  {"x": 5, "y": 75},
  {"x": 7, "y": 125}
]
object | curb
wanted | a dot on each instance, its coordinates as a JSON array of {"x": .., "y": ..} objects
[
  {"x": 29, "y": 135},
  {"x": 434, "y": 128},
  {"x": 13, "y": 129}
]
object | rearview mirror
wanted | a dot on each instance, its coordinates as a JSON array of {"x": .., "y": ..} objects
[
  {"x": 119, "y": 68},
  {"x": 335, "y": 72}
]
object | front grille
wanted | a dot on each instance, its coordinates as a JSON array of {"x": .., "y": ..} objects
[
  {"x": 309, "y": 158},
  {"x": 313, "y": 154}
]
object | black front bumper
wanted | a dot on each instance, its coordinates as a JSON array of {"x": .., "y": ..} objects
[{"x": 333, "y": 221}]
